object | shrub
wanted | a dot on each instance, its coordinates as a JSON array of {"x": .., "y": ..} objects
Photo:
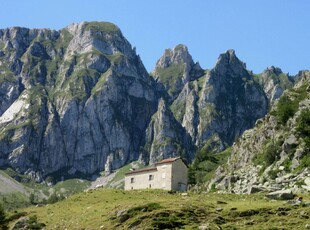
[
  {"x": 273, "y": 174},
  {"x": 3, "y": 220},
  {"x": 34, "y": 224},
  {"x": 286, "y": 108},
  {"x": 269, "y": 155},
  {"x": 303, "y": 126}
]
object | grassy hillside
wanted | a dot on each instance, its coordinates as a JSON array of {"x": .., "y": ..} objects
[
  {"x": 17, "y": 190},
  {"x": 157, "y": 209}
]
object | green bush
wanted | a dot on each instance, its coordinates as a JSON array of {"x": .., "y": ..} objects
[
  {"x": 303, "y": 126},
  {"x": 271, "y": 153},
  {"x": 205, "y": 164},
  {"x": 286, "y": 108},
  {"x": 3, "y": 220},
  {"x": 268, "y": 156}
]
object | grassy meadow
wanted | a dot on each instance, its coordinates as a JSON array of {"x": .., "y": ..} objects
[{"x": 158, "y": 209}]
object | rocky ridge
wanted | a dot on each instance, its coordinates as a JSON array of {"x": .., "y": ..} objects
[
  {"x": 79, "y": 100},
  {"x": 225, "y": 98},
  {"x": 274, "y": 155}
]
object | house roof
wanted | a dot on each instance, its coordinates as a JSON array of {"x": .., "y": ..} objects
[
  {"x": 168, "y": 160},
  {"x": 141, "y": 170},
  {"x": 164, "y": 161}
]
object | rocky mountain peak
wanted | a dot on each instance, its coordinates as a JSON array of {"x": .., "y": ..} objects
[
  {"x": 175, "y": 68},
  {"x": 273, "y": 81},
  {"x": 228, "y": 62},
  {"x": 272, "y": 70},
  {"x": 102, "y": 36},
  {"x": 70, "y": 99},
  {"x": 177, "y": 55},
  {"x": 228, "y": 91}
]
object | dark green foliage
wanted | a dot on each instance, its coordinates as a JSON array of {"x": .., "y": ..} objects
[
  {"x": 303, "y": 126},
  {"x": 34, "y": 224},
  {"x": 288, "y": 104},
  {"x": 273, "y": 174},
  {"x": 269, "y": 154},
  {"x": 286, "y": 109},
  {"x": 305, "y": 162},
  {"x": 3, "y": 220},
  {"x": 205, "y": 164},
  {"x": 287, "y": 164},
  {"x": 31, "y": 223}
]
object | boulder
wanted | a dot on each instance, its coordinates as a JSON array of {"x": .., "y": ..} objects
[{"x": 281, "y": 195}]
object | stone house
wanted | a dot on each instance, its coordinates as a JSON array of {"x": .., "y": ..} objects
[{"x": 168, "y": 174}]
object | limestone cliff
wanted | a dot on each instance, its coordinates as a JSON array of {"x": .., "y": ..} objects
[{"x": 77, "y": 100}]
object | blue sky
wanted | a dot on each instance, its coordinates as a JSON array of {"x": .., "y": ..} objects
[{"x": 263, "y": 32}]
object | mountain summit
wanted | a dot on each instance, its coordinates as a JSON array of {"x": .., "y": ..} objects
[
  {"x": 79, "y": 100},
  {"x": 76, "y": 100}
]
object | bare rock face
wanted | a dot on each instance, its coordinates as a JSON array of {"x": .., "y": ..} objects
[
  {"x": 230, "y": 101},
  {"x": 175, "y": 68},
  {"x": 165, "y": 137},
  {"x": 273, "y": 155},
  {"x": 80, "y": 97},
  {"x": 218, "y": 107},
  {"x": 274, "y": 82}
]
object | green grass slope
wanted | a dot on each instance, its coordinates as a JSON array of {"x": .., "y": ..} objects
[{"x": 157, "y": 209}]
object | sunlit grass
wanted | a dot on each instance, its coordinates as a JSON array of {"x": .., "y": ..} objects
[{"x": 99, "y": 208}]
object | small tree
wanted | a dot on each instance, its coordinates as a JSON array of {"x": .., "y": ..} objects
[
  {"x": 303, "y": 126},
  {"x": 3, "y": 221},
  {"x": 286, "y": 108}
]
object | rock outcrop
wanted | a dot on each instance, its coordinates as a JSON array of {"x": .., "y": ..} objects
[
  {"x": 274, "y": 82},
  {"x": 274, "y": 155}
]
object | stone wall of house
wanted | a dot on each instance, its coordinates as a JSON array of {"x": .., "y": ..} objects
[
  {"x": 179, "y": 177},
  {"x": 141, "y": 180},
  {"x": 164, "y": 174}
]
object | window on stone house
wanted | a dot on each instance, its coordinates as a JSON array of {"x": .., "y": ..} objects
[
  {"x": 151, "y": 177},
  {"x": 132, "y": 180}
]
